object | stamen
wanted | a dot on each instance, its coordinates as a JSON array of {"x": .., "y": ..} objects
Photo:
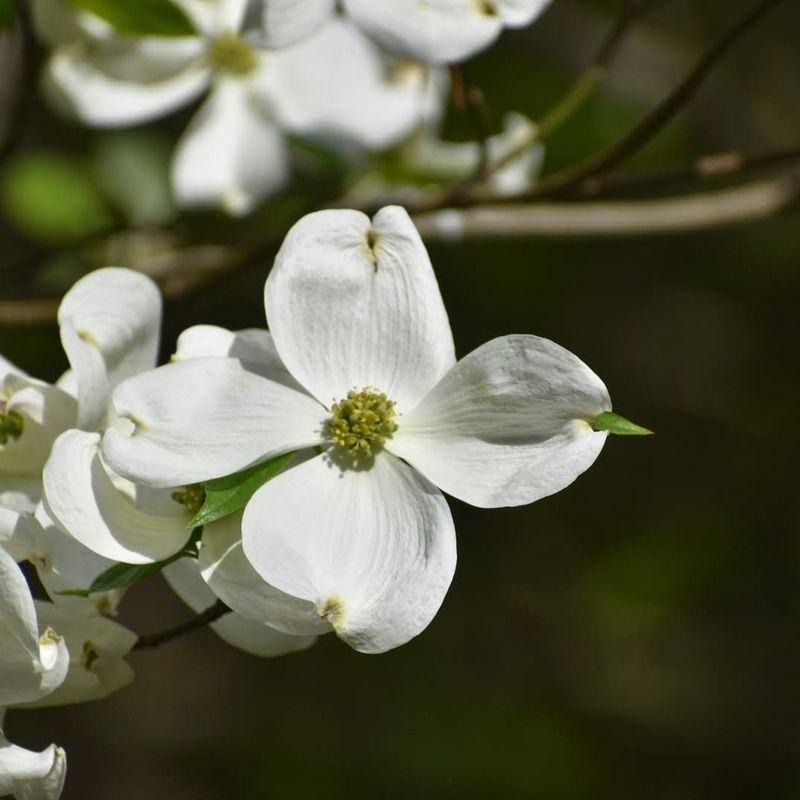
[
  {"x": 89, "y": 655},
  {"x": 11, "y": 426},
  {"x": 191, "y": 497},
  {"x": 232, "y": 55},
  {"x": 362, "y": 422}
]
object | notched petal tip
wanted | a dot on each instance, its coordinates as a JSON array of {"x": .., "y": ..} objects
[{"x": 333, "y": 611}]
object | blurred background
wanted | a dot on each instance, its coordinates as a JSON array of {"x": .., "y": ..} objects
[{"x": 635, "y": 635}]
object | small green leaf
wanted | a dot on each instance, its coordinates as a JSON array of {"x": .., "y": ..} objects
[
  {"x": 140, "y": 17},
  {"x": 121, "y": 576},
  {"x": 614, "y": 423},
  {"x": 8, "y": 13},
  {"x": 229, "y": 494},
  {"x": 53, "y": 198}
]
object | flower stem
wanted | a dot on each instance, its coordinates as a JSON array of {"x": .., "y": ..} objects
[{"x": 211, "y": 614}]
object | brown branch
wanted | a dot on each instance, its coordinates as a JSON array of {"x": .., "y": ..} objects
[
  {"x": 212, "y": 614},
  {"x": 742, "y": 204},
  {"x": 708, "y": 167},
  {"x": 661, "y": 115}
]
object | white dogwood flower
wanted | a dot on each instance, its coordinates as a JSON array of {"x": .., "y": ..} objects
[
  {"x": 110, "y": 323},
  {"x": 433, "y": 31},
  {"x": 31, "y": 665},
  {"x": 28, "y": 775},
  {"x": 32, "y": 414},
  {"x": 97, "y": 648},
  {"x": 335, "y": 84},
  {"x": 361, "y": 531}
]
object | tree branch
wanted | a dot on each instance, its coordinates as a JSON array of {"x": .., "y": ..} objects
[
  {"x": 212, "y": 614},
  {"x": 733, "y": 206},
  {"x": 661, "y": 115}
]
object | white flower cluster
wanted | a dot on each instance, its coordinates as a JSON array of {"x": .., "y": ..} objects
[
  {"x": 338, "y": 431},
  {"x": 361, "y": 78}
]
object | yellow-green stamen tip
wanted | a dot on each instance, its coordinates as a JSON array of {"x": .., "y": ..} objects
[
  {"x": 232, "y": 55},
  {"x": 191, "y": 497},
  {"x": 11, "y": 426},
  {"x": 362, "y": 422}
]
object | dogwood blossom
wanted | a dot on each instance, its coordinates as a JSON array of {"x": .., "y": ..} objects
[
  {"x": 32, "y": 414},
  {"x": 361, "y": 530},
  {"x": 27, "y": 775},
  {"x": 433, "y": 31},
  {"x": 335, "y": 84},
  {"x": 110, "y": 323},
  {"x": 31, "y": 666}
]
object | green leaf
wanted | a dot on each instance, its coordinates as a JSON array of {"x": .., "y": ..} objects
[
  {"x": 121, "y": 576},
  {"x": 229, "y": 494},
  {"x": 51, "y": 197},
  {"x": 614, "y": 423},
  {"x": 140, "y": 17},
  {"x": 8, "y": 13}
]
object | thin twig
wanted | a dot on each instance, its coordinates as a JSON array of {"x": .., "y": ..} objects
[
  {"x": 212, "y": 614},
  {"x": 470, "y": 98},
  {"x": 733, "y": 206},
  {"x": 708, "y": 167},
  {"x": 584, "y": 86},
  {"x": 660, "y": 116}
]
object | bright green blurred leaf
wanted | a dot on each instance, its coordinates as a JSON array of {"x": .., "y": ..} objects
[
  {"x": 49, "y": 196},
  {"x": 614, "y": 423},
  {"x": 8, "y": 13},
  {"x": 140, "y": 17},
  {"x": 229, "y": 494},
  {"x": 132, "y": 167}
]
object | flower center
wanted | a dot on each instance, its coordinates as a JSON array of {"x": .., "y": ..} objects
[
  {"x": 362, "y": 422},
  {"x": 232, "y": 55},
  {"x": 191, "y": 497},
  {"x": 11, "y": 425}
]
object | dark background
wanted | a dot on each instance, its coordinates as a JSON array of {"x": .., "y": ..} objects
[{"x": 635, "y": 635}]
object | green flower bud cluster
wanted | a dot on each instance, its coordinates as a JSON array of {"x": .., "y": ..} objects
[
  {"x": 362, "y": 422},
  {"x": 11, "y": 426},
  {"x": 191, "y": 497},
  {"x": 232, "y": 55}
]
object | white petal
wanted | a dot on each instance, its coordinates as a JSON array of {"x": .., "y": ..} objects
[
  {"x": 509, "y": 424},
  {"x": 232, "y": 156},
  {"x": 353, "y": 304},
  {"x": 128, "y": 81},
  {"x": 97, "y": 648},
  {"x": 232, "y": 578},
  {"x": 288, "y": 21},
  {"x": 435, "y": 31},
  {"x": 31, "y": 666},
  {"x": 63, "y": 563},
  {"x": 19, "y": 531},
  {"x": 17, "y": 612},
  {"x": 337, "y": 85},
  {"x": 115, "y": 313},
  {"x": 253, "y": 347},
  {"x": 20, "y": 493},
  {"x": 206, "y": 418},
  {"x": 373, "y": 549},
  {"x": 91, "y": 377},
  {"x": 518, "y": 13},
  {"x": 246, "y": 634},
  {"x": 46, "y": 411},
  {"x": 88, "y": 502},
  {"x": 218, "y": 16},
  {"x": 28, "y": 775}
]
